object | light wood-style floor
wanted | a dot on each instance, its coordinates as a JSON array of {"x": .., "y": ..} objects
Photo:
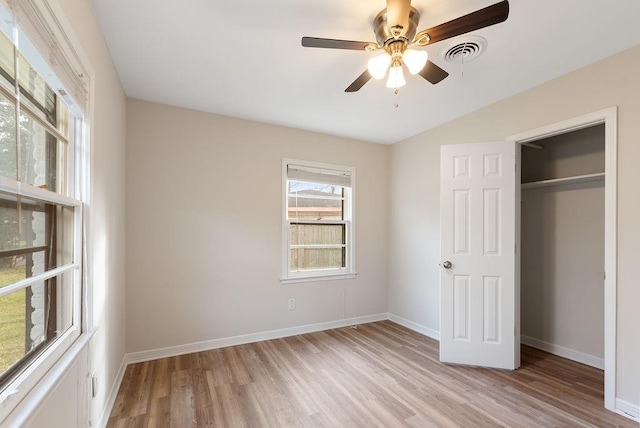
[{"x": 378, "y": 374}]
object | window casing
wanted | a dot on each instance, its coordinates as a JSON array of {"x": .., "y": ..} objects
[
  {"x": 318, "y": 221},
  {"x": 40, "y": 222}
]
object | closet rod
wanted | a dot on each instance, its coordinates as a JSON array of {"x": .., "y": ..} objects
[
  {"x": 533, "y": 145},
  {"x": 600, "y": 176}
]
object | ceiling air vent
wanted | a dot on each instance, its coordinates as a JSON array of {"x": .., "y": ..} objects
[{"x": 464, "y": 49}]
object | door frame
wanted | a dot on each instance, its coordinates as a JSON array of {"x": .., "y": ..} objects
[{"x": 608, "y": 117}]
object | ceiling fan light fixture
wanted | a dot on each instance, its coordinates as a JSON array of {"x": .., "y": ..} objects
[
  {"x": 414, "y": 60},
  {"x": 378, "y": 65},
  {"x": 396, "y": 77}
]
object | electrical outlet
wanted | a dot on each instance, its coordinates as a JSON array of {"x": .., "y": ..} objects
[{"x": 292, "y": 304}]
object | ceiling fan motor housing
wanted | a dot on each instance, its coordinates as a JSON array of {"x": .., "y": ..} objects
[{"x": 384, "y": 34}]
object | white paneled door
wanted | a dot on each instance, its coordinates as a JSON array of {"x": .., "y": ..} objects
[{"x": 479, "y": 300}]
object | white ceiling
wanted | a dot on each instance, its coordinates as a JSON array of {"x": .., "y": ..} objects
[{"x": 243, "y": 58}]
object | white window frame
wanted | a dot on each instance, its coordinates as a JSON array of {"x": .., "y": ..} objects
[
  {"x": 28, "y": 388},
  {"x": 349, "y": 219}
]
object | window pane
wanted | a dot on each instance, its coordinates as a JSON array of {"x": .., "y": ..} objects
[
  {"x": 317, "y": 234},
  {"x": 7, "y": 68},
  {"x": 34, "y": 237},
  {"x": 12, "y": 327},
  {"x": 314, "y": 189},
  {"x": 32, "y": 318},
  {"x": 41, "y": 161},
  {"x": 315, "y": 201},
  {"x": 8, "y": 157},
  {"x": 309, "y": 235},
  {"x": 316, "y": 258},
  {"x": 36, "y": 92}
]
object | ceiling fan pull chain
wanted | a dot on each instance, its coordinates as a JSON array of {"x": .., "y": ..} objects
[{"x": 395, "y": 92}]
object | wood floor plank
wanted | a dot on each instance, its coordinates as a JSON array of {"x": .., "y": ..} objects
[
  {"x": 378, "y": 374},
  {"x": 230, "y": 405},
  {"x": 159, "y": 412},
  {"x": 181, "y": 399}
]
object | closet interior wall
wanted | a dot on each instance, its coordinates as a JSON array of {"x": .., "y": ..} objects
[{"x": 562, "y": 244}]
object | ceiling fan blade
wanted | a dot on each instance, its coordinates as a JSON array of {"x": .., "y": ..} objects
[
  {"x": 486, "y": 17},
  {"x": 315, "y": 42},
  {"x": 433, "y": 73},
  {"x": 359, "y": 82},
  {"x": 398, "y": 13}
]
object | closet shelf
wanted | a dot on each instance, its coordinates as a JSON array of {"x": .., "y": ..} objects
[{"x": 567, "y": 180}]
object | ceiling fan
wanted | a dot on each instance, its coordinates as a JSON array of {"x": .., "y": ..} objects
[{"x": 395, "y": 29}]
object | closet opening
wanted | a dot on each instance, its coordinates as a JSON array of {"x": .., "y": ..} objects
[
  {"x": 567, "y": 242},
  {"x": 562, "y": 245}
]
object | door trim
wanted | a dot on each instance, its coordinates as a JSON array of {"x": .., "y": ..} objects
[{"x": 610, "y": 119}]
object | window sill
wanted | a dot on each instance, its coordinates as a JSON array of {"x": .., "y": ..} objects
[{"x": 316, "y": 278}]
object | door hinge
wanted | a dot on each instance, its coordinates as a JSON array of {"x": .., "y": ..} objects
[{"x": 605, "y": 276}]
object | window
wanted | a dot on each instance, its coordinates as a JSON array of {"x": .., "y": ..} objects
[
  {"x": 40, "y": 220},
  {"x": 318, "y": 226}
]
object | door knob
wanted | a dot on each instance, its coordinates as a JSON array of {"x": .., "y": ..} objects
[{"x": 446, "y": 265}]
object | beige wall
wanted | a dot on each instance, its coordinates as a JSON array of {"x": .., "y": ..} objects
[
  {"x": 107, "y": 228},
  {"x": 414, "y": 192},
  {"x": 204, "y": 209},
  {"x": 562, "y": 266}
]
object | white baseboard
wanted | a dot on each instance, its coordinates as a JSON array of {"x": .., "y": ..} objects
[
  {"x": 561, "y": 351},
  {"x": 628, "y": 410},
  {"x": 172, "y": 351},
  {"x": 113, "y": 393},
  {"x": 419, "y": 328}
]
